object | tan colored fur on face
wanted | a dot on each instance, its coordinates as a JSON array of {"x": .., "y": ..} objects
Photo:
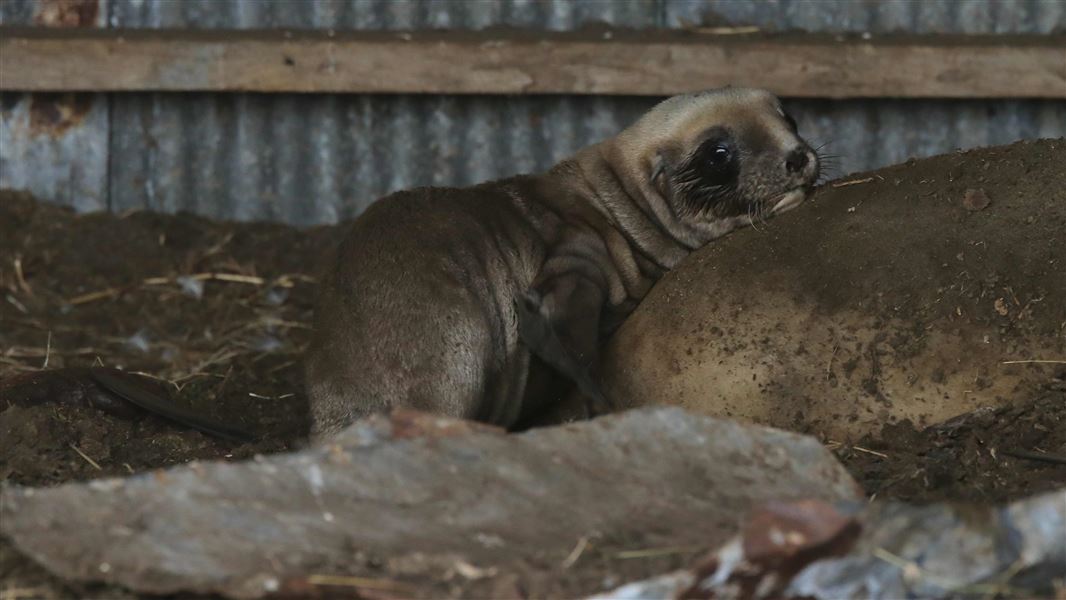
[{"x": 674, "y": 127}]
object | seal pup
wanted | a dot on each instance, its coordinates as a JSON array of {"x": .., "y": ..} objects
[{"x": 486, "y": 302}]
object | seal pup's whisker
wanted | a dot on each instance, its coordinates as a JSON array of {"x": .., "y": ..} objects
[{"x": 751, "y": 220}]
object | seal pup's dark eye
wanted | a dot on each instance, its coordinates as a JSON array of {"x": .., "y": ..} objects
[
  {"x": 705, "y": 181},
  {"x": 721, "y": 155},
  {"x": 791, "y": 122}
]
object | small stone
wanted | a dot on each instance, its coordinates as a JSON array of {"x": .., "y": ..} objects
[
  {"x": 139, "y": 341},
  {"x": 1001, "y": 307},
  {"x": 191, "y": 286},
  {"x": 975, "y": 200}
]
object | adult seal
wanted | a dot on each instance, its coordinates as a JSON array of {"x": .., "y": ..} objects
[{"x": 491, "y": 302}]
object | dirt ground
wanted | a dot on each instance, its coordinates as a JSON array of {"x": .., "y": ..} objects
[
  {"x": 988, "y": 456},
  {"x": 106, "y": 290},
  {"x": 220, "y": 311}
]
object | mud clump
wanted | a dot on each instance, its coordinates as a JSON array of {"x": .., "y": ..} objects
[{"x": 990, "y": 456}]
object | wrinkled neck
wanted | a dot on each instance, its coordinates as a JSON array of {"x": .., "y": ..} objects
[{"x": 645, "y": 220}]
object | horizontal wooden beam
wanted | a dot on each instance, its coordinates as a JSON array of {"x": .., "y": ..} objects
[{"x": 658, "y": 63}]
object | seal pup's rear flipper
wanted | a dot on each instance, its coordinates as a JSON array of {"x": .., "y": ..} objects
[{"x": 127, "y": 387}]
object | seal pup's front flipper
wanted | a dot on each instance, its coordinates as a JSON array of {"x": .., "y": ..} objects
[{"x": 566, "y": 339}]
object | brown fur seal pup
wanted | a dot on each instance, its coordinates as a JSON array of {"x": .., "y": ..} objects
[{"x": 454, "y": 301}]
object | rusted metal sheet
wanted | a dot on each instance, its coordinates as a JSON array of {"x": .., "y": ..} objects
[
  {"x": 309, "y": 159},
  {"x": 392, "y": 15},
  {"x": 68, "y": 13},
  {"x": 880, "y": 16},
  {"x": 55, "y": 145},
  {"x": 312, "y": 159},
  {"x": 54, "y": 13},
  {"x": 306, "y": 159}
]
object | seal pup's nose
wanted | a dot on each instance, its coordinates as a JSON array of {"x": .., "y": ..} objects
[{"x": 797, "y": 160}]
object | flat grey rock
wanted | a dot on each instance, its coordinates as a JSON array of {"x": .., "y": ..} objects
[{"x": 420, "y": 489}]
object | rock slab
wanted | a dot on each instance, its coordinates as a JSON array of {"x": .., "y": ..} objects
[{"x": 413, "y": 486}]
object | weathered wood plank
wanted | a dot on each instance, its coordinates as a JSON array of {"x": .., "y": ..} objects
[{"x": 508, "y": 62}]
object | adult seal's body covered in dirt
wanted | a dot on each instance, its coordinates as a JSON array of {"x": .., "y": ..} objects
[
  {"x": 470, "y": 302},
  {"x": 920, "y": 291}
]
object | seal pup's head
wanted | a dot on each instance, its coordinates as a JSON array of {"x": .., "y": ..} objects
[{"x": 707, "y": 163}]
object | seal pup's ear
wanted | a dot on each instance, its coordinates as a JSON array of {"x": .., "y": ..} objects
[
  {"x": 658, "y": 167},
  {"x": 662, "y": 165}
]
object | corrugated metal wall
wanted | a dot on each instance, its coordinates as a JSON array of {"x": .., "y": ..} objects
[
  {"x": 308, "y": 159},
  {"x": 56, "y": 145}
]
